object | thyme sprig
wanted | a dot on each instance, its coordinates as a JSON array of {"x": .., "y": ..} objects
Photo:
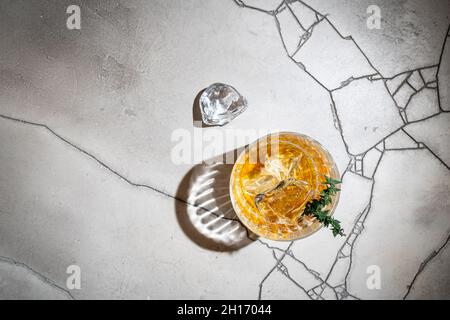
[{"x": 316, "y": 207}]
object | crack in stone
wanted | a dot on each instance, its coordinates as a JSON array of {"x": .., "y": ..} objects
[
  {"x": 423, "y": 265},
  {"x": 121, "y": 176},
  {"x": 410, "y": 71},
  {"x": 359, "y": 224},
  {"x": 345, "y": 83},
  {"x": 354, "y": 42},
  {"x": 291, "y": 254},
  {"x": 421, "y": 77},
  {"x": 426, "y": 85},
  {"x": 295, "y": 17},
  {"x": 38, "y": 275},
  {"x": 439, "y": 67},
  {"x": 426, "y": 147},
  {"x": 337, "y": 119},
  {"x": 284, "y": 270},
  {"x": 86, "y": 153},
  {"x": 272, "y": 270},
  {"x": 311, "y": 293},
  {"x": 419, "y": 145},
  {"x": 355, "y": 232},
  {"x": 305, "y": 37},
  {"x": 242, "y": 4}
]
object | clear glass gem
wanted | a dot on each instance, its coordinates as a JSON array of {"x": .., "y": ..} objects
[{"x": 221, "y": 103}]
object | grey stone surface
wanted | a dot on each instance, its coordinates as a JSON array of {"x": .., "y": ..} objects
[
  {"x": 444, "y": 76},
  {"x": 433, "y": 282},
  {"x": 19, "y": 281},
  {"x": 367, "y": 113},
  {"x": 423, "y": 105},
  {"x": 370, "y": 162},
  {"x": 319, "y": 251},
  {"x": 332, "y": 70},
  {"x": 412, "y": 229},
  {"x": 291, "y": 30},
  {"x": 434, "y": 133},
  {"x": 415, "y": 80},
  {"x": 60, "y": 208},
  {"x": 81, "y": 87},
  {"x": 411, "y": 33},
  {"x": 403, "y": 95},
  {"x": 279, "y": 286},
  {"x": 265, "y": 5},
  {"x": 87, "y": 137},
  {"x": 400, "y": 140}
]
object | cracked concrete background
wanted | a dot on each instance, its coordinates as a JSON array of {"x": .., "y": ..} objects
[{"x": 86, "y": 118}]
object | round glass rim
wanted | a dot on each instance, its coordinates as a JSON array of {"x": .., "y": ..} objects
[{"x": 239, "y": 159}]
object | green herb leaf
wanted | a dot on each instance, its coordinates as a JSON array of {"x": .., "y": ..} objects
[{"x": 316, "y": 207}]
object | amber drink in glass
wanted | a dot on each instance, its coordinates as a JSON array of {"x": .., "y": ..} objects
[{"x": 274, "y": 178}]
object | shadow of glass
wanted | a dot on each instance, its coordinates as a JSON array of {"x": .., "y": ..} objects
[{"x": 207, "y": 217}]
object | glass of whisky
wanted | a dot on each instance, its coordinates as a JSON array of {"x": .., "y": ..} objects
[{"x": 274, "y": 178}]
